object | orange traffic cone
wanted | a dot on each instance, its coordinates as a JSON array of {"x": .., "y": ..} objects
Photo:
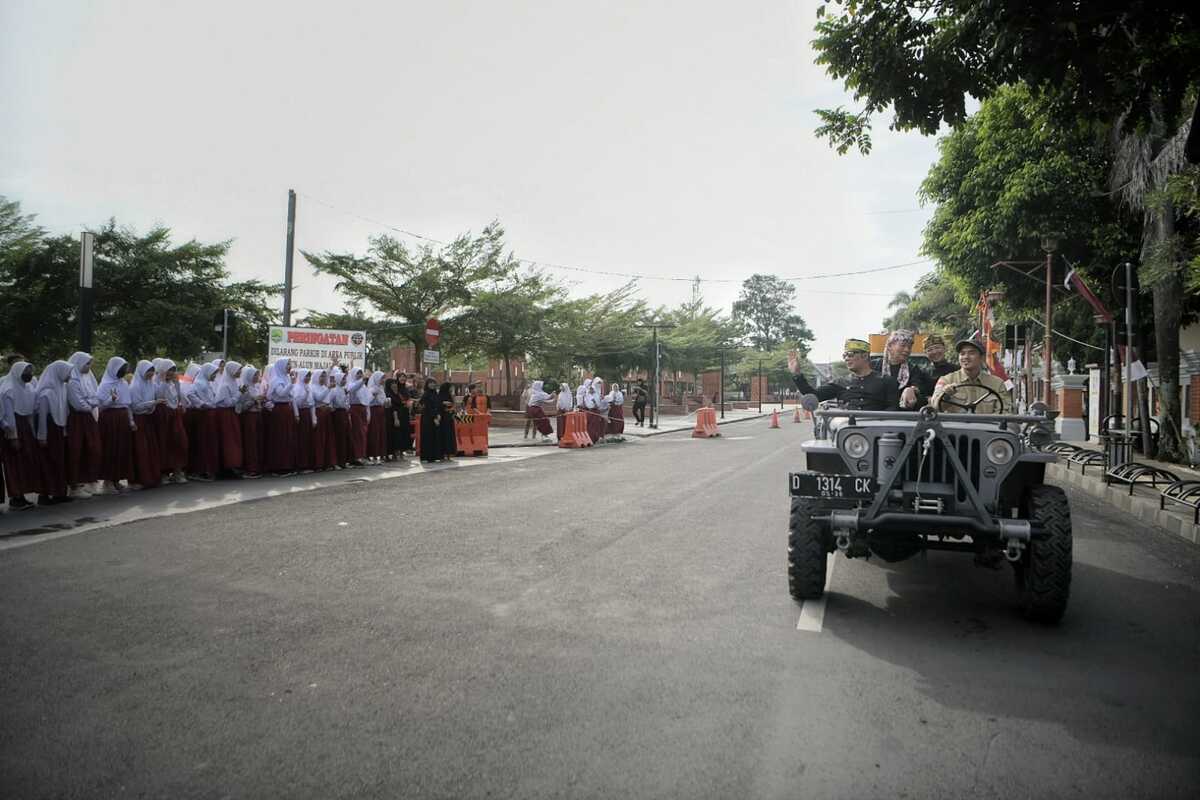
[
  {"x": 796, "y": 417},
  {"x": 774, "y": 419}
]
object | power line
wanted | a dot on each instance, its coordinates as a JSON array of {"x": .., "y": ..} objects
[{"x": 627, "y": 275}]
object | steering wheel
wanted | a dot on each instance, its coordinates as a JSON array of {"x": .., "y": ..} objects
[{"x": 970, "y": 407}]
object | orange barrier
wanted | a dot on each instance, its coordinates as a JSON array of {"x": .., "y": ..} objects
[
  {"x": 706, "y": 424},
  {"x": 471, "y": 431},
  {"x": 575, "y": 433},
  {"x": 774, "y": 419}
]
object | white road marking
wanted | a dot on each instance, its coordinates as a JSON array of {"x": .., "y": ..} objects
[{"x": 812, "y": 613}]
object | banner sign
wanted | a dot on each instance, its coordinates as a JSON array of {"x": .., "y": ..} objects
[
  {"x": 316, "y": 348},
  {"x": 432, "y": 357}
]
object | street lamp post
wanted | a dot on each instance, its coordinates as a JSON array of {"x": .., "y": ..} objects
[{"x": 1049, "y": 244}]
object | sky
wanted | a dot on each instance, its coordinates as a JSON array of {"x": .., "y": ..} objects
[{"x": 667, "y": 139}]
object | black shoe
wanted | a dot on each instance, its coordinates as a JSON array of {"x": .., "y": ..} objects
[{"x": 44, "y": 500}]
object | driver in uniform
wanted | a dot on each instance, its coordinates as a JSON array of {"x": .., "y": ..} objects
[
  {"x": 863, "y": 390},
  {"x": 969, "y": 385}
]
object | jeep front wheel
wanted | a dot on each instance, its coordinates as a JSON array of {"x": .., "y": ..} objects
[
  {"x": 806, "y": 551},
  {"x": 1044, "y": 574}
]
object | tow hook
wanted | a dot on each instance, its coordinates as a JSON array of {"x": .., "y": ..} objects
[
  {"x": 843, "y": 541},
  {"x": 1014, "y": 549}
]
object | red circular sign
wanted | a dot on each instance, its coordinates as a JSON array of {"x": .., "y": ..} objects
[{"x": 433, "y": 332}]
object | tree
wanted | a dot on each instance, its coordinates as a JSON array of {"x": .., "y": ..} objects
[
  {"x": 934, "y": 306},
  {"x": 18, "y": 233},
  {"x": 924, "y": 59},
  {"x": 765, "y": 308},
  {"x": 598, "y": 333},
  {"x": 505, "y": 319},
  {"x": 416, "y": 285}
]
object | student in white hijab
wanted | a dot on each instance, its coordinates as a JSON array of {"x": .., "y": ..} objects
[
  {"x": 116, "y": 426},
  {"x": 616, "y": 412},
  {"x": 377, "y": 421},
  {"x": 279, "y": 450},
  {"x": 535, "y": 412},
  {"x": 204, "y": 450},
  {"x": 228, "y": 404},
  {"x": 187, "y": 381},
  {"x": 84, "y": 452},
  {"x": 170, "y": 421},
  {"x": 250, "y": 419},
  {"x": 19, "y": 449},
  {"x": 303, "y": 399},
  {"x": 360, "y": 416},
  {"x": 597, "y": 414},
  {"x": 147, "y": 462},
  {"x": 51, "y": 414},
  {"x": 324, "y": 448},
  {"x": 564, "y": 406},
  {"x": 340, "y": 404}
]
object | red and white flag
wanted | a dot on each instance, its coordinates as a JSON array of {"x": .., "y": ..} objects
[{"x": 1074, "y": 282}]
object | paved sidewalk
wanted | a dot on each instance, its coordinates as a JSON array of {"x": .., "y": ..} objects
[{"x": 514, "y": 437}]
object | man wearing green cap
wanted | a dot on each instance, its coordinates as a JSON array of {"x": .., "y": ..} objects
[
  {"x": 863, "y": 390},
  {"x": 969, "y": 385}
]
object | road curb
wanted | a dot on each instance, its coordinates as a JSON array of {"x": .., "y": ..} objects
[
  {"x": 1142, "y": 507},
  {"x": 633, "y": 436}
]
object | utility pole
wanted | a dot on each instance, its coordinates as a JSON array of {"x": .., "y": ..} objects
[
  {"x": 86, "y": 242},
  {"x": 760, "y": 386},
  {"x": 225, "y": 334},
  {"x": 654, "y": 326},
  {"x": 1049, "y": 244},
  {"x": 722, "y": 383},
  {"x": 287, "y": 266}
]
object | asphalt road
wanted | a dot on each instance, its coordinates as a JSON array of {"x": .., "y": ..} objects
[{"x": 606, "y": 623}]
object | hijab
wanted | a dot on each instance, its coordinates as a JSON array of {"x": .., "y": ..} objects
[
  {"x": 249, "y": 379},
  {"x": 301, "y": 391},
  {"x": 202, "y": 389},
  {"x": 320, "y": 392},
  {"x": 564, "y": 397},
  {"x": 598, "y": 392},
  {"x": 391, "y": 387},
  {"x": 142, "y": 389},
  {"x": 87, "y": 381},
  {"x": 615, "y": 396},
  {"x": 188, "y": 380},
  {"x": 537, "y": 396},
  {"x": 375, "y": 385},
  {"x": 111, "y": 383},
  {"x": 53, "y": 386},
  {"x": 429, "y": 398},
  {"x": 581, "y": 392},
  {"x": 443, "y": 394},
  {"x": 226, "y": 381},
  {"x": 279, "y": 375},
  {"x": 20, "y": 393}
]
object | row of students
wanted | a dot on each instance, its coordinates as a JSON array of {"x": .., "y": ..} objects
[
  {"x": 605, "y": 411},
  {"x": 67, "y": 433}
]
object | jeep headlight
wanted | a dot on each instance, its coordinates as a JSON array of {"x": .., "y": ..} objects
[
  {"x": 999, "y": 451},
  {"x": 856, "y": 445}
]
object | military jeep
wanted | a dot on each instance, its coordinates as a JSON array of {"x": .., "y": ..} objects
[{"x": 895, "y": 483}]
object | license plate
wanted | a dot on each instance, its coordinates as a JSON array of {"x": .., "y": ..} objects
[{"x": 815, "y": 484}]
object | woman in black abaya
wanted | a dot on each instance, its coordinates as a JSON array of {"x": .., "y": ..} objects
[
  {"x": 449, "y": 439},
  {"x": 431, "y": 414}
]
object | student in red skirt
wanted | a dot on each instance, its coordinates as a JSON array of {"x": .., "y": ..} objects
[
  {"x": 340, "y": 403},
  {"x": 597, "y": 412},
  {"x": 251, "y": 422},
  {"x": 616, "y": 412},
  {"x": 565, "y": 406},
  {"x": 84, "y": 453},
  {"x": 377, "y": 423},
  {"x": 279, "y": 449},
  {"x": 360, "y": 416},
  {"x": 204, "y": 448},
  {"x": 19, "y": 450},
  {"x": 535, "y": 412},
  {"x": 147, "y": 463},
  {"x": 228, "y": 407},
  {"x": 169, "y": 421},
  {"x": 324, "y": 448},
  {"x": 302, "y": 399},
  {"x": 116, "y": 426},
  {"x": 51, "y": 414}
]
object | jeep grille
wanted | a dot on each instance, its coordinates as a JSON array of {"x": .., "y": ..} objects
[{"x": 937, "y": 468}]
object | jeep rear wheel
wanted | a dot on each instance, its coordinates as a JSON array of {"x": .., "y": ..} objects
[
  {"x": 806, "y": 551},
  {"x": 1044, "y": 574}
]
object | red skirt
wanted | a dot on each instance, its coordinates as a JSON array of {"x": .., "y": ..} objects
[
  {"x": 377, "y": 433},
  {"x": 279, "y": 451},
  {"x": 117, "y": 442},
  {"x": 252, "y": 443},
  {"x": 147, "y": 463},
  {"x": 204, "y": 450},
  {"x": 616, "y": 420},
  {"x": 540, "y": 422},
  {"x": 229, "y": 435},
  {"x": 53, "y": 461},
  {"x": 341, "y": 435},
  {"x": 324, "y": 449},
  {"x": 560, "y": 423},
  {"x": 304, "y": 440},
  {"x": 22, "y": 467},
  {"x": 84, "y": 453},
  {"x": 172, "y": 438},
  {"x": 358, "y": 432},
  {"x": 596, "y": 424}
]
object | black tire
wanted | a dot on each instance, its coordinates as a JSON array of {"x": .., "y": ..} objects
[
  {"x": 1044, "y": 574},
  {"x": 806, "y": 551}
]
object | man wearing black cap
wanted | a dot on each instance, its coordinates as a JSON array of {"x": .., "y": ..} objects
[
  {"x": 970, "y": 384},
  {"x": 863, "y": 390},
  {"x": 935, "y": 351}
]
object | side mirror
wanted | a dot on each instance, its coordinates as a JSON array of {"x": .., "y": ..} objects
[{"x": 808, "y": 402}]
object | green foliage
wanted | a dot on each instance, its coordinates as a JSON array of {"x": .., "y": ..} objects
[
  {"x": 18, "y": 233},
  {"x": 597, "y": 333},
  {"x": 505, "y": 319},
  {"x": 934, "y": 306},
  {"x": 415, "y": 285},
  {"x": 765, "y": 308},
  {"x": 152, "y": 297},
  {"x": 924, "y": 59}
]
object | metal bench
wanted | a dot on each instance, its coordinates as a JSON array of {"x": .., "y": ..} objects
[
  {"x": 1134, "y": 473},
  {"x": 1185, "y": 493}
]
